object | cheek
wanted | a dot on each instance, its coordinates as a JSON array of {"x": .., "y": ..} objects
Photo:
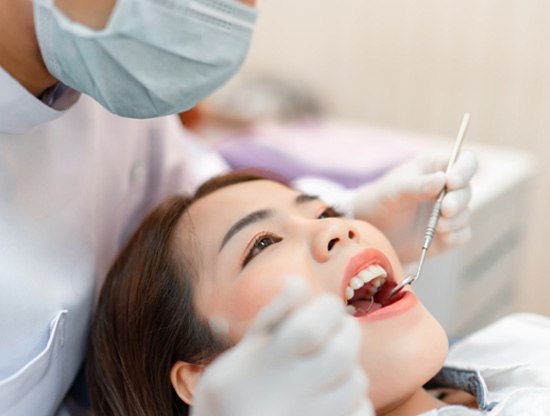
[
  {"x": 252, "y": 293},
  {"x": 239, "y": 301}
]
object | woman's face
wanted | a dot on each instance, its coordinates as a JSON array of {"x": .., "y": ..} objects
[{"x": 250, "y": 237}]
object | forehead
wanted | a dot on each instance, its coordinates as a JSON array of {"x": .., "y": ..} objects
[{"x": 220, "y": 209}]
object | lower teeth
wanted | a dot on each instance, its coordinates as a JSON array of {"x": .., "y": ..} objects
[{"x": 351, "y": 309}]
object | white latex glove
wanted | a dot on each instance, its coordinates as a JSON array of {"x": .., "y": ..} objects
[
  {"x": 400, "y": 203},
  {"x": 298, "y": 359}
]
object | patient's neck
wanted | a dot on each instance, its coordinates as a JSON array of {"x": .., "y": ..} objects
[{"x": 420, "y": 401}]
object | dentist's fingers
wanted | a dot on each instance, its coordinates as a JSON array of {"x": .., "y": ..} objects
[
  {"x": 418, "y": 187},
  {"x": 349, "y": 397},
  {"x": 337, "y": 359},
  {"x": 301, "y": 360},
  {"x": 429, "y": 177},
  {"x": 464, "y": 166},
  {"x": 456, "y": 223},
  {"x": 456, "y": 202},
  {"x": 309, "y": 328},
  {"x": 364, "y": 409},
  {"x": 456, "y": 238},
  {"x": 432, "y": 162},
  {"x": 462, "y": 171}
]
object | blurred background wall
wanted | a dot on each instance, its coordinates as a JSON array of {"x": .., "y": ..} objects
[{"x": 418, "y": 66}]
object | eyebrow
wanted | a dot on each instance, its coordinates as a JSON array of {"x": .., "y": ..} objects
[
  {"x": 304, "y": 198},
  {"x": 260, "y": 215}
]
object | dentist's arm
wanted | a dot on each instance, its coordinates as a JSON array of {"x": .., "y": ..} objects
[{"x": 299, "y": 359}]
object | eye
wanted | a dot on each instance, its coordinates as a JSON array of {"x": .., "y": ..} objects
[
  {"x": 259, "y": 244},
  {"x": 329, "y": 212}
]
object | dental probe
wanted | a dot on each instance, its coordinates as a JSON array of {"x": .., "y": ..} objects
[{"x": 436, "y": 211}]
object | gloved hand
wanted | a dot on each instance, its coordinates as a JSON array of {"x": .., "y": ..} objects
[
  {"x": 400, "y": 203},
  {"x": 300, "y": 358}
]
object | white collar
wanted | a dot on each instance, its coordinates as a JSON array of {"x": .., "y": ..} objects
[{"x": 20, "y": 110}]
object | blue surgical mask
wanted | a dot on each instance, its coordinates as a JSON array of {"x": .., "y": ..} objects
[{"x": 154, "y": 57}]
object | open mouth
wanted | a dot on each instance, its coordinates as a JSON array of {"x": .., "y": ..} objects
[{"x": 369, "y": 290}]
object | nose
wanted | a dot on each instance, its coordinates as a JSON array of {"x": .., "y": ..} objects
[{"x": 330, "y": 235}]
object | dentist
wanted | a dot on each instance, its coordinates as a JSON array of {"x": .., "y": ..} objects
[{"x": 76, "y": 179}]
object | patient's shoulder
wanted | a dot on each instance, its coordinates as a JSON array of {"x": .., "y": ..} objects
[{"x": 514, "y": 339}]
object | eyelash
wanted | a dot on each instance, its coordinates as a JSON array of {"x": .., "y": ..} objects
[
  {"x": 250, "y": 254},
  {"x": 329, "y": 212}
]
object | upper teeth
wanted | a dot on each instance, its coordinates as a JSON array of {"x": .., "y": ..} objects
[{"x": 373, "y": 274}]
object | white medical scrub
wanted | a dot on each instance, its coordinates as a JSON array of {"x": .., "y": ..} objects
[{"x": 72, "y": 189}]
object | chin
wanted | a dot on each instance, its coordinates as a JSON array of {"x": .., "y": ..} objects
[{"x": 404, "y": 361}]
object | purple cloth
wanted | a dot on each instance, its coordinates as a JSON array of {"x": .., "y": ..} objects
[{"x": 348, "y": 155}]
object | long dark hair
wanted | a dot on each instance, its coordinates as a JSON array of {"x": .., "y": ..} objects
[{"x": 145, "y": 319}]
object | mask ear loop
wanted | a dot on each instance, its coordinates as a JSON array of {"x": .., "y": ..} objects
[{"x": 371, "y": 303}]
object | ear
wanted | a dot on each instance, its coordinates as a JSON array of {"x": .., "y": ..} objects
[{"x": 184, "y": 378}]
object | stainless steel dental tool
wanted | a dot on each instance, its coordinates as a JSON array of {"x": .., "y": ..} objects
[{"x": 436, "y": 211}]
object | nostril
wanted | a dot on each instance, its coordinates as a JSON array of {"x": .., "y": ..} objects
[
  {"x": 351, "y": 235},
  {"x": 332, "y": 242}
]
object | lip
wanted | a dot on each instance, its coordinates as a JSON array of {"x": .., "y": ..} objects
[{"x": 362, "y": 260}]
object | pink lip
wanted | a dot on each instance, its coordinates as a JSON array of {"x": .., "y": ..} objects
[{"x": 362, "y": 260}]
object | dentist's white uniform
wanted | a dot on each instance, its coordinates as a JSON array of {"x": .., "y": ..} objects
[{"x": 71, "y": 191}]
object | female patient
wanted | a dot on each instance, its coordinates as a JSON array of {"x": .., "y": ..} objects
[{"x": 226, "y": 254}]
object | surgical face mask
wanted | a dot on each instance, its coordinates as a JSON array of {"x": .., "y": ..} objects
[{"x": 154, "y": 57}]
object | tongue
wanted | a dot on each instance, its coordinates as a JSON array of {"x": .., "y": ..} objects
[{"x": 364, "y": 307}]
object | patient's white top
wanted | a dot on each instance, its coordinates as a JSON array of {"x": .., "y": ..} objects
[
  {"x": 505, "y": 365},
  {"x": 71, "y": 191}
]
